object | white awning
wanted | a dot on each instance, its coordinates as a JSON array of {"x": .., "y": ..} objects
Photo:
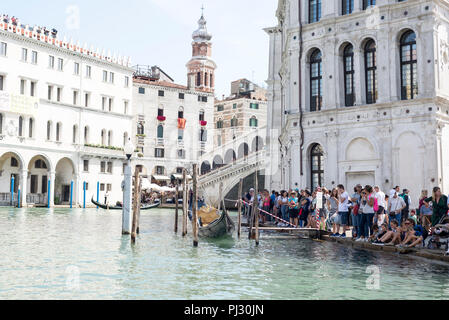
[
  {"x": 161, "y": 178},
  {"x": 179, "y": 176}
]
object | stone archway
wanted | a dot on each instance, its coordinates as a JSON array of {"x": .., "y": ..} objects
[
  {"x": 205, "y": 167},
  {"x": 230, "y": 156},
  {"x": 257, "y": 144},
  {"x": 11, "y": 166},
  {"x": 64, "y": 175},
  {"x": 217, "y": 162},
  {"x": 243, "y": 150},
  {"x": 39, "y": 169}
]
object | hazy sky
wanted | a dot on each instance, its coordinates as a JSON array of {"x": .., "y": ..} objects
[{"x": 159, "y": 32}]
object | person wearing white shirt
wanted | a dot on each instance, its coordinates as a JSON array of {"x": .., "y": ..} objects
[
  {"x": 343, "y": 210},
  {"x": 395, "y": 207}
]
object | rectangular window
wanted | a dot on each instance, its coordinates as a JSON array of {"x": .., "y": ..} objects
[
  {"x": 161, "y": 93},
  {"x": 141, "y": 90},
  {"x": 58, "y": 94},
  {"x": 220, "y": 107},
  {"x": 103, "y": 167},
  {"x": 254, "y": 106},
  {"x": 22, "y": 86},
  {"x": 101, "y": 186},
  {"x": 86, "y": 165},
  {"x": 105, "y": 76},
  {"x": 34, "y": 57},
  {"x": 60, "y": 64},
  {"x": 86, "y": 99},
  {"x": 88, "y": 72},
  {"x": 159, "y": 153},
  {"x": 234, "y": 106},
  {"x": 2, "y": 80},
  {"x": 160, "y": 170},
  {"x": 111, "y": 77},
  {"x": 76, "y": 68},
  {"x": 3, "y": 49},
  {"x": 204, "y": 99},
  {"x": 32, "y": 88},
  {"x": 181, "y": 96},
  {"x": 125, "y": 107},
  {"x": 109, "y": 167},
  {"x": 44, "y": 184},
  {"x": 75, "y": 97},
  {"x": 51, "y": 62},
  {"x": 109, "y": 187},
  {"x": 110, "y": 104},
  {"x": 126, "y": 82},
  {"x": 24, "y": 55},
  {"x": 50, "y": 92},
  {"x": 87, "y": 186}
]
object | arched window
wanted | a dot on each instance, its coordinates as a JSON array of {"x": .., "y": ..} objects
[
  {"x": 370, "y": 72},
  {"x": 86, "y": 135},
  {"x": 347, "y": 6},
  {"x": 160, "y": 131},
  {"x": 48, "y": 130},
  {"x": 409, "y": 62},
  {"x": 348, "y": 65},
  {"x": 30, "y": 127},
  {"x": 234, "y": 122},
  {"x": 74, "y": 133},
  {"x": 140, "y": 128},
  {"x": 181, "y": 113},
  {"x": 160, "y": 112},
  {"x": 206, "y": 79},
  {"x": 211, "y": 83},
  {"x": 1, "y": 123},
  {"x": 314, "y": 10},
  {"x": 110, "y": 142},
  {"x": 58, "y": 131},
  {"x": 20, "y": 126},
  {"x": 201, "y": 115},
  {"x": 253, "y": 122},
  {"x": 220, "y": 124},
  {"x": 316, "y": 78},
  {"x": 368, "y": 3},
  {"x": 317, "y": 166}
]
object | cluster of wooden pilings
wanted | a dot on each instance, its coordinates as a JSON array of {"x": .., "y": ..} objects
[{"x": 185, "y": 205}]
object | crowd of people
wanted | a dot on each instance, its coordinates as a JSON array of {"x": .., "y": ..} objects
[{"x": 367, "y": 214}]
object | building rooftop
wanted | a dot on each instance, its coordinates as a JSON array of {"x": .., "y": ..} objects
[
  {"x": 50, "y": 36},
  {"x": 161, "y": 83}
]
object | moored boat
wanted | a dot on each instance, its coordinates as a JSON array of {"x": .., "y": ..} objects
[
  {"x": 106, "y": 207},
  {"x": 220, "y": 227}
]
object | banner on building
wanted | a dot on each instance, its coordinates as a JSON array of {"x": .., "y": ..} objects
[{"x": 18, "y": 103}]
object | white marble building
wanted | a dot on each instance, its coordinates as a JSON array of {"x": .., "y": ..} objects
[
  {"x": 367, "y": 83},
  {"x": 65, "y": 110},
  {"x": 173, "y": 123}
]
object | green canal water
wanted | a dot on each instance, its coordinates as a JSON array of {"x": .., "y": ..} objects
[{"x": 81, "y": 254}]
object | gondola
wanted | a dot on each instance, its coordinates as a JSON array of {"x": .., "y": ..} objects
[
  {"x": 218, "y": 228},
  {"x": 145, "y": 207}
]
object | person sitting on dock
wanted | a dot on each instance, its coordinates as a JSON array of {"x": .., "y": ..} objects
[
  {"x": 379, "y": 233},
  {"x": 400, "y": 235},
  {"x": 391, "y": 233},
  {"x": 415, "y": 236}
]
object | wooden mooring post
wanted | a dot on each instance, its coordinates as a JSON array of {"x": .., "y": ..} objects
[
  {"x": 139, "y": 200},
  {"x": 239, "y": 219},
  {"x": 136, "y": 206},
  {"x": 256, "y": 207},
  {"x": 195, "y": 206},
  {"x": 176, "y": 207},
  {"x": 185, "y": 202}
]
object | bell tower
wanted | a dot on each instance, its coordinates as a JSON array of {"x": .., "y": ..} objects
[{"x": 201, "y": 68}]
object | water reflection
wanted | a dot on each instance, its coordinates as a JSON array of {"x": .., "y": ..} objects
[{"x": 41, "y": 248}]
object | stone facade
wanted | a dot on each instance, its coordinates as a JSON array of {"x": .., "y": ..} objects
[
  {"x": 64, "y": 113},
  {"x": 397, "y": 139}
]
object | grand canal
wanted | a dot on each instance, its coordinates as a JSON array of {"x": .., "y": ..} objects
[{"x": 81, "y": 254}]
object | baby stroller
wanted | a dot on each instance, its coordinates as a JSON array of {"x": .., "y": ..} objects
[{"x": 439, "y": 238}]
